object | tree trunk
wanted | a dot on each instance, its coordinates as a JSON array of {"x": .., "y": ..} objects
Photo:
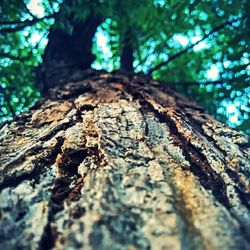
[
  {"x": 67, "y": 54},
  {"x": 127, "y": 57},
  {"x": 119, "y": 161}
]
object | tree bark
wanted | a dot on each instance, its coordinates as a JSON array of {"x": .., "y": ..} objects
[{"x": 120, "y": 161}]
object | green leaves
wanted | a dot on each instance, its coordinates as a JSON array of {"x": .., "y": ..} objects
[{"x": 22, "y": 42}]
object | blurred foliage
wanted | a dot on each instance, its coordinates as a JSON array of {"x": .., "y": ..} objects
[{"x": 215, "y": 72}]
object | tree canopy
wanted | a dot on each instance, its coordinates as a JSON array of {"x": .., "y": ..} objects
[{"x": 199, "y": 47}]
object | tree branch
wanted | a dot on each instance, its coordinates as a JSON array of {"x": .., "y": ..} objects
[
  {"x": 180, "y": 53},
  {"x": 220, "y": 81},
  {"x": 19, "y": 25},
  {"x": 190, "y": 83}
]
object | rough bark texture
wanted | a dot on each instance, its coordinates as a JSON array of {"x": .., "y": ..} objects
[{"x": 120, "y": 162}]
